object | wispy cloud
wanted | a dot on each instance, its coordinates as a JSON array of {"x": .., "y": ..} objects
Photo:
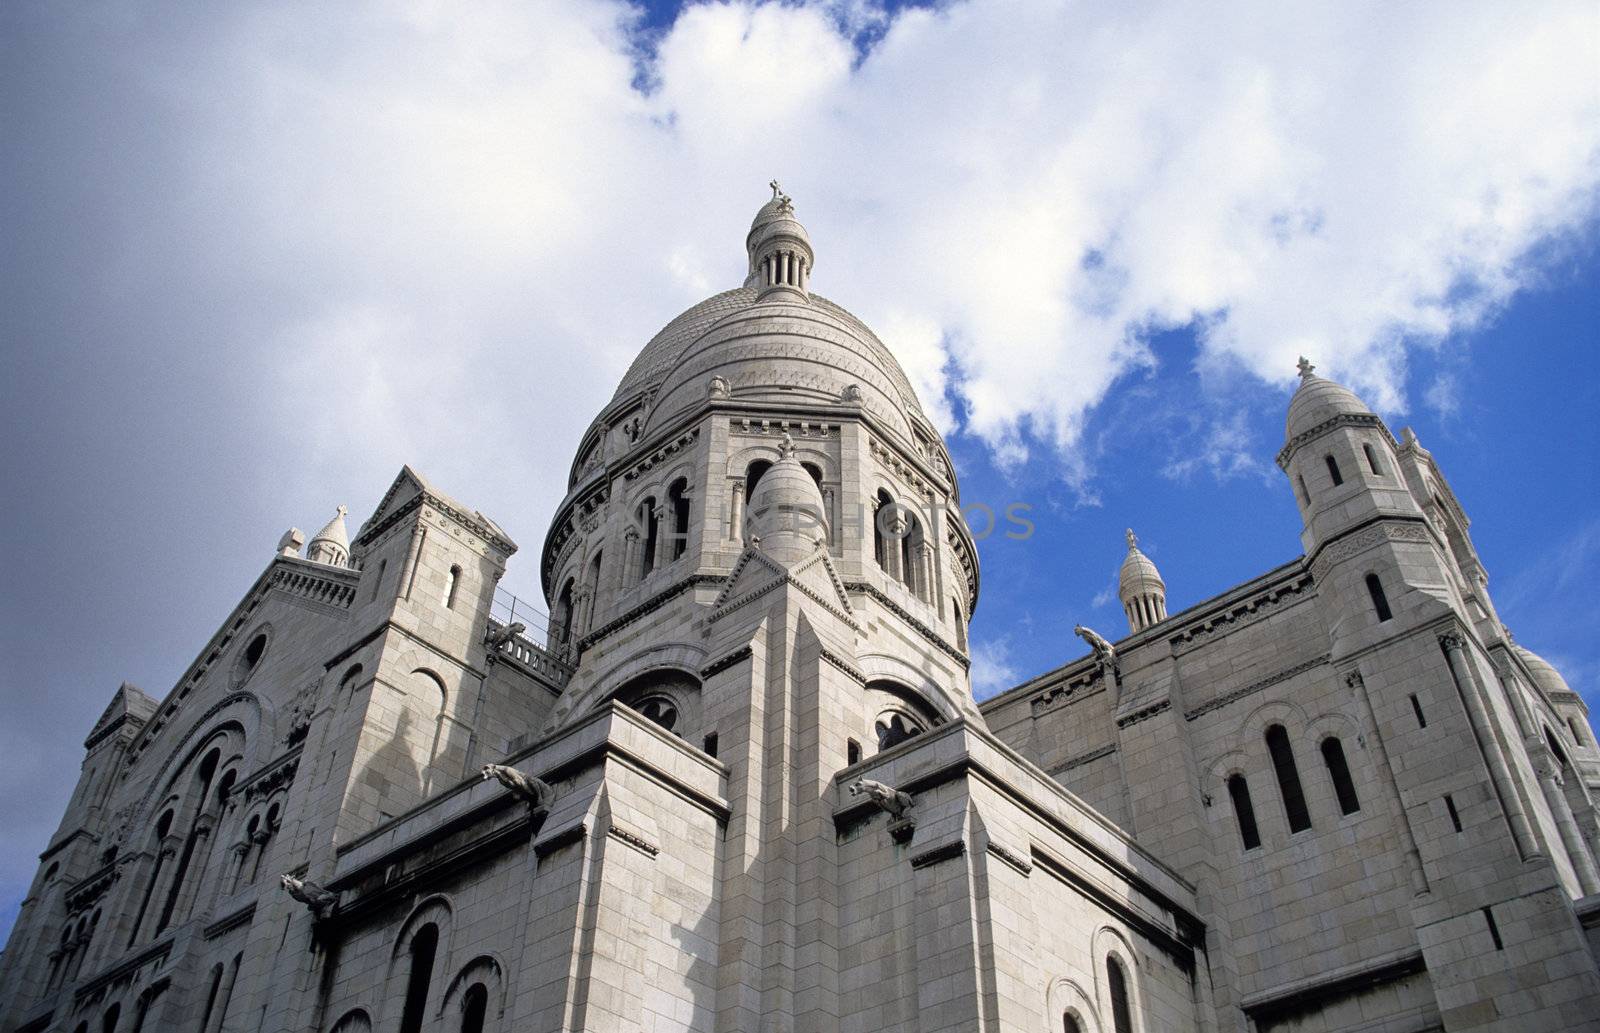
[{"x": 992, "y": 668}]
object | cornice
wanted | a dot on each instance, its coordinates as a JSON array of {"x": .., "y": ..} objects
[
  {"x": 916, "y": 625},
  {"x": 1347, "y": 419}
]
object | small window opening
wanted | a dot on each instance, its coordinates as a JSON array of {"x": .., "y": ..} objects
[
  {"x": 377, "y": 582},
  {"x": 564, "y": 615},
  {"x": 1372, "y": 460},
  {"x": 1294, "y": 797},
  {"x": 652, "y": 530},
  {"x": 678, "y": 500},
  {"x": 424, "y": 945},
  {"x": 254, "y": 651},
  {"x": 1117, "y": 983},
  {"x": 1416, "y": 707},
  {"x": 1577, "y": 731},
  {"x": 660, "y": 710},
  {"x": 894, "y": 729},
  {"x": 1305, "y": 496},
  {"x": 852, "y": 752},
  {"x": 710, "y": 745},
  {"x": 474, "y": 1007},
  {"x": 109, "y": 1023},
  {"x": 1380, "y": 601},
  {"x": 1339, "y": 772},
  {"x": 1333, "y": 470},
  {"x": 1494, "y": 929},
  {"x": 1243, "y": 811},
  {"x": 1070, "y": 1024},
  {"x": 753, "y": 475},
  {"x": 1455, "y": 816},
  {"x": 451, "y": 583}
]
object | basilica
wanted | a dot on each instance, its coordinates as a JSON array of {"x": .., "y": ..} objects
[{"x": 738, "y": 782}]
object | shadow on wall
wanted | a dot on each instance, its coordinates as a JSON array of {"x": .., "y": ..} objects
[{"x": 393, "y": 772}]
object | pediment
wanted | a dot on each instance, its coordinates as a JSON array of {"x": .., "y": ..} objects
[{"x": 756, "y": 574}]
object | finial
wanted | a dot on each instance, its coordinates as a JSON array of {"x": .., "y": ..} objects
[
  {"x": 1133, "y": 540},
  {"x": 341, "y": 510},
  {"x": 786, "y": 449},
  {"x": 785, "y": 203},
  {"x": 777, "y": 191},
  {"x": 1305, "y": 367}
]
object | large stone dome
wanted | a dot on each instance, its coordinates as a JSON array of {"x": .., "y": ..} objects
[{"x": 771, "y": 342}]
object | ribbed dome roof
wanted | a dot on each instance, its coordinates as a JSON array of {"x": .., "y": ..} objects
[
  {"x": 786, "y": 510},
  {"x": 1318, "y": 400},
  {"x": 1139, "y": 575},
  {"x": 1545, "y": 676},
  {"x": 334, "y": 531},
  {"x": 771, "y": 345}
]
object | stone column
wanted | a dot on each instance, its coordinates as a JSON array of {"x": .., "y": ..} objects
[
  {"x": 736, "y": 512},
  {"x": 663, "y": 537},
  {"x": 196, "y": 874},
  {"x": 1483, "y": 732},
  {"x": 894, "y": 533},
  {"x": 630, "y": 556},
  {"x": 1550, "y": 781}
]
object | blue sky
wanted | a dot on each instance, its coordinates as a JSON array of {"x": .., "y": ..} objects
[{"x": 255, "y": 257}]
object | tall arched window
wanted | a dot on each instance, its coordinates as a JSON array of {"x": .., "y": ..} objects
[
  {"x": 651, "y": 522},
  {"x": 1339, "y": 772},
  {"x": 1333, "y": 470},
  {"x": 1070, "y": 1024},
  {"x": 451, "y": 583},
  {"x": 753, "y": 475},
  {"x": 211, "y": 998},
  {"x": 1294, "y": 797},
  {"x": 109, "y": 1023},
  {"x": 1380, "y": 602},
  {"x": 163, "y": 826},
  {"x": 880, "y": 538},
  {"x": 1305, "y": 496},
  {"x": 1372, "y": 460},
  {"x": 424, "y": 945},
  {"x": 961, "y": 625},
  {"x": 1243, "y": 811},
  {"x": 197, "y": 834},
  {"x": 564, "y": 614},
  {"x": 474, "y": 1006},
  {"x": 1117, "y": 984},
  {"x": 678, "y": 504}
]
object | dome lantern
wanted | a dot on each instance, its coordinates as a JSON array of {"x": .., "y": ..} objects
[
  {"x": 779, "y": 247},
  {"x": 1143, "y": 592},
  {"x": 331, "y": 545}
]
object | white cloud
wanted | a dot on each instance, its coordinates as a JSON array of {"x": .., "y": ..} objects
[
  {"x": 465, "y": 224},
  {"x": 993, "y": 670}
]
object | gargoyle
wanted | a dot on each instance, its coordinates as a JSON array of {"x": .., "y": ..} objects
[
  {"x": 496, "y": 639},
  {"x": 891, "y": 800},
  {"x": 316, "y": 898},
  {"x": 535, "y": 792},
  {"x": 1103, "y": 650}
]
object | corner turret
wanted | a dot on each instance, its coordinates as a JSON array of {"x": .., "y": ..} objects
[{"x": 1139, "y": 585}]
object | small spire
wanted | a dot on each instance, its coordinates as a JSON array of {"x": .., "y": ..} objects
[
  {"x": 331, "y": 545},
  {"x": 1305, "y": 367},
  {"x": 1133, "y": 540},
  {"x": 786, "y": 448}
]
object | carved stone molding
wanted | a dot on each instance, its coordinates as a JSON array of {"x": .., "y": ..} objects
[
  {"x": 1376, "y": 534},
  {"x": 1194, "y": 634},
  {"x": 634, "y": 840},
  {"x": 1144, "y": 713},
  {"x": 722, "y": 663},
  {"x": 1343, "y": 419},
  {"x": 835, "y": 660}
]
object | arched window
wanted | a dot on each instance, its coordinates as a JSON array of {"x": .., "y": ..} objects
[
  {"x": 1333, "y": 470},
  {"x": 852, "y": 752},
  {"x": 651, "y": 521},
  {"x": 211, "y": 998},
  {"x": 1070, "y": 1024},
  {"x": 659, "y": 709},
  {"x": 961, "y": 625},
  {"x": 163, "y": 826},
  {"x": 753, "y": 475},
  {"x": 1305, "y": 496},
  {"x": 1372, "y": 460},
  {"x": 894, "y": 729},
  {"x": 678, "y": 503},
  {"x": 1380, "y": 602},
  {"x": 109, "y": 1023},
  {"x": 255, "y": 650},
  {"x": 880, "y": 539},
  {"x": 1243, "y": 811},
  {"x": 1339, "y": 771},
  {"x": 424, "y": 945},
  {"x": 1294, "y": 798},
  {"x": 451, "y": 583},
  {"x": 377, "y": 582},
  {"x": 1555, "y": 748},
  {"x": 1117, "y": 984},
  {"x": 564, "y": 614},
  {"x": 913, "y": 545},
  {"x": 474, "y": 1006}
]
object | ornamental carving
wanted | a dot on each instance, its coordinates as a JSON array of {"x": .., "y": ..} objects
[
  {"x": 1387, "y": 531},
  {"x": 1240, "y": 614}
]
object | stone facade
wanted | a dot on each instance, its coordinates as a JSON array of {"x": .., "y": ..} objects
[{"x": 741, "y": 783}]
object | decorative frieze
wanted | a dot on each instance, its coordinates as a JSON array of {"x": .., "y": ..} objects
[
  {"x": 1391, "y": 530},
  {"x": 661, "y": 454},
  {"x": 1144, "y": 713},
  {"x": 1196, "y": 633},
  {"x": 1342, "y": 419},
  {"x": 723, "y": 663}
]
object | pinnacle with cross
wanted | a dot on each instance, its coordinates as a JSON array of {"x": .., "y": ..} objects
[
  {"x": 1133, "y": 540},
  {"x": 1305, "y": 367},
  {"x": 786, "y": 449},
  {"x": 341, "y": 510}
]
